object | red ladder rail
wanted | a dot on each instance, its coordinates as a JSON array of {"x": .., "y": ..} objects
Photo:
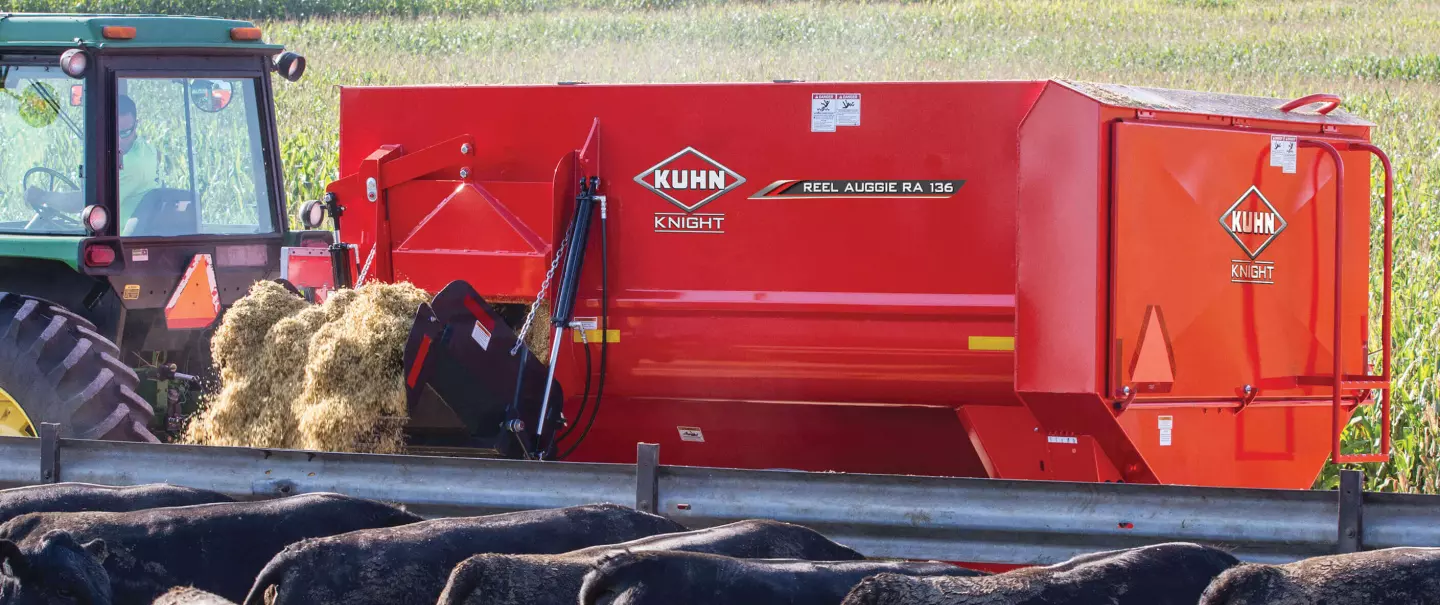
[{"x": 1338, "y": 380}]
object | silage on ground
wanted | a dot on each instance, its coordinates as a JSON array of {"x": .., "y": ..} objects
[{"x": 318, "y": 377}]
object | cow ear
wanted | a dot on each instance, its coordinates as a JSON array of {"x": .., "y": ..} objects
[
  {"x": 97, "y": 549},
  {"x": 12, "y": 559}
]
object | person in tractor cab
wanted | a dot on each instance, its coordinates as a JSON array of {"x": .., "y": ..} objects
[{"x": 138, "y": 162}]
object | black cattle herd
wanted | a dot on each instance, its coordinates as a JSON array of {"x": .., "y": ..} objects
[{"x": 96, "y": 545}]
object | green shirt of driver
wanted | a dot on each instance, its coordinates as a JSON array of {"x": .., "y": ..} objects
[{"x": 139, "y": 175}]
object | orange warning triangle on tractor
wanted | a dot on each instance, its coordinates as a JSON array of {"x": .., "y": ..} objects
[
  {"x": 196, "y": 302},
  {"x": 1154, "y": 363}
]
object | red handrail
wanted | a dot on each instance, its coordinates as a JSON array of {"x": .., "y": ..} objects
[
  {"x": 1339, "y": 383},
  {"x": 1385, "y": 336},
  {"x": 1329, "y": 103}
]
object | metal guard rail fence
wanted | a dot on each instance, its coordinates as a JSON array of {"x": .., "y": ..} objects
[{"x": 949, "y": 519}]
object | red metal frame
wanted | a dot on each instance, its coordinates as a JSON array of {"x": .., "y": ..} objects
[{"x": 388, "y": 167}]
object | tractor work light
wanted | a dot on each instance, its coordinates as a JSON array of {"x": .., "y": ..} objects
[
  {"x": 118, "y": 32},
  {"x": 74, "y": 62},
  {"x": 99, "y": 255},
  {"x": 312, "y": 213},
  {"x": 290, "y": 65},
  {"x": 96, "y": 218},
  {"x": 245, "y": 34}
]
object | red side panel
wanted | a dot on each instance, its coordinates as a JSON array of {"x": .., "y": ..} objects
[
  {"x": 1063, "y": 276},
  {"x": 918, "y": 440},
  {"x": 1061, "y": 254}
]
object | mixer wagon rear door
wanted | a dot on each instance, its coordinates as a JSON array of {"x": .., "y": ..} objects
[
  {"x": 1225, "y": 263},
  {"x": 1223, "y": 284}
]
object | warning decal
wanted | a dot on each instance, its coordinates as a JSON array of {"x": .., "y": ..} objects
[
  {"x": 1282, "y": 152},
  {"x": 824, "y": 112},
  {"x": 829, "y": 110},
  {"x": 481, "y": 336},
  {"x": 1167, "y": 425},
  {"x": 849, "y": 113},
  {"x": 691, "y": 433},
  {"x": 484, "y": 327}
]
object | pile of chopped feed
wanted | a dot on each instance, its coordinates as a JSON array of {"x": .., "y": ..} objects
[{"x": 317, "y": 377}]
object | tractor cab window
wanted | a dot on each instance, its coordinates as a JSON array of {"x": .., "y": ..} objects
[
  {"x": 42, "y": 150},
  {"x": 189, "y": 157}
]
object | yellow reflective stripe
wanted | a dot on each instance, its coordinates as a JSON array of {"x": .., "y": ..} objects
[
  {"x": 992, "y": 343},
  {"x": 594, "y": 335}
]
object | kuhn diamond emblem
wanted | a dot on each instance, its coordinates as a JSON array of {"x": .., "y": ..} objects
[
  {"x": 689, "y": 179},
  {"x": 1252, "y": 222}
]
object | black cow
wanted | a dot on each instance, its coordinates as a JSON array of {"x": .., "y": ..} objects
[
  {"x": 496, "y": 579},
  {"x": 1391, "y": 576},
  {"x": 74, "y": 497},
  {"x": 191, "y": 596},
  {"x": 668, "y": 578},
  {"x": 56, "y": 570},
  {"x": 215, "y": 547},
  {"x": 1162, "y": 574},
  {"x": 410, "y": 564}
]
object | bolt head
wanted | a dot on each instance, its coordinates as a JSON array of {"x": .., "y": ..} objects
[
  {"x": 464, "y": 173},
  {"x": 465, "y": 148}
]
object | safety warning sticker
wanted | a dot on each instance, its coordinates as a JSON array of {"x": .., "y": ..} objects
[
  {"x": 824, "y": 112},
  {"x": 831, "y": 109},
  {"x": 849, "y": 111},
  {"x": 1282, "y": 152},
  {"x": 691, "y": 433},
  {"x": 1167, "y": 425},
  {"x": 140, "y": 255},
  {"x": 481, "y": 334}
]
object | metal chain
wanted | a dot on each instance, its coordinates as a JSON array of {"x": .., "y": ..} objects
[
  {"x": 366, "y": 269},
  {"x": 540, "y": 296}
]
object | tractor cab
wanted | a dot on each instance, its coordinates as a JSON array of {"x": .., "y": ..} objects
[{"x": 141, "y": 190}]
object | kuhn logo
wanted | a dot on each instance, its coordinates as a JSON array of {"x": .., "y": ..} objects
[
  {"x": 1252, "y": 222},
  {"x": 689, "y": 179}
]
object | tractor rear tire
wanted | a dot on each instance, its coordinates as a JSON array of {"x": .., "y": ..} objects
[{"x": 58, "y": 369}]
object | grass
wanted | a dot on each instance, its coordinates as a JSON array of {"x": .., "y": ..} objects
[{"x": 1382, "y": 57}]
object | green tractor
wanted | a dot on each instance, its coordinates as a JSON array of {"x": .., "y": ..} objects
[{"x": 141, "y": 193}]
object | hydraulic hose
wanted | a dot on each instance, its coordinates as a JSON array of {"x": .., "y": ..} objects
[{"x": 604, "y": 334}]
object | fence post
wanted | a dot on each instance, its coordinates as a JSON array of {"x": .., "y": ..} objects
[
  {"x": 1352, "y": 512},
  {"x": 49, "y": 452},
  {"x": 647, "y": 479}
]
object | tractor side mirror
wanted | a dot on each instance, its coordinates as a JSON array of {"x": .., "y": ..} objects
[
  {"x": 211, "y": 96},
  {"x": 290, "y": 66}
]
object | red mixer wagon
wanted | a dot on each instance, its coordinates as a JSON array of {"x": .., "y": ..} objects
[{"x": 1011, "y": 279}]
